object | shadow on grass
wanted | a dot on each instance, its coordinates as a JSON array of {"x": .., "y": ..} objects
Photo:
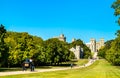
[
  {"x": 54, "y": 66},
  {"x": 36, "y": 67},
  {"x": 10, "y": 69}
]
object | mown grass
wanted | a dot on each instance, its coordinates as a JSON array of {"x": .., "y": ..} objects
[
  {"x": 100, "y": 69},
  {"x": 81, "y": 62}
]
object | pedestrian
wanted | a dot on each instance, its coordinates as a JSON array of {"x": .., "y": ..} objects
[
  {"x": 84, "y": 65},
  {"x": 30, "y": 60},
  {"x": 31, "y": 65},
  {"x": 71, "y": 65}
]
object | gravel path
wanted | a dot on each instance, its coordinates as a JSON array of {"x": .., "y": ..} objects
[{"x": 47, "y": 70}]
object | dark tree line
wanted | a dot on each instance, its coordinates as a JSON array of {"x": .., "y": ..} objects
[{"x": 3, "y": 47}]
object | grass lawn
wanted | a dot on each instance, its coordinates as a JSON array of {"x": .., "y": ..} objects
[
  {"x": 100, "y": 69},
  {"x": 81, "y": 62}
]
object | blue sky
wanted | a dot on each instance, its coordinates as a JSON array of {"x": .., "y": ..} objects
[{"x": 80, "y": 19}]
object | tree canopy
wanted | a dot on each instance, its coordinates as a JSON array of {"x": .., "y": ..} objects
[
  {"x": 111, "y": 51},
  {"x": 116, "y": 7},
  {"x": 3, "y": 47},
  {"x": 22, "y": 46},
  {"x": 15, "y": 47}
]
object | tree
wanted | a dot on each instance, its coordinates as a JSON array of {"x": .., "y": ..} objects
[
  {"x": 113, "y": 54},
  {"x": 3, "y": 47},
  {"x": 102, "y": 52},
  {"x": 57, "y": 51},
  {"x": 116, "y": 7},
  {"x": 22, "y": 46}
]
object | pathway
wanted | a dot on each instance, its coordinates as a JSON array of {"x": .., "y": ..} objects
[{"x": 48, "y": 70}]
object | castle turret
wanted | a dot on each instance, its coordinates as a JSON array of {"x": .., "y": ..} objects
[
  {"x": 93, "y": 45},
  {"x": 62, "y": 38},
  {"x": 102, "y": 42},
  {"x": 73, "y": 39},
  {"x": 78, "y": 52}
]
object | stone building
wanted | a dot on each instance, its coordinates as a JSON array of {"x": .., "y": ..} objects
[
  {"x": 95, "y": 46},
  {"x": 61, "y": 38},
  {"x": 73, "y": 39},
  {"x": 78, "y": 51}
]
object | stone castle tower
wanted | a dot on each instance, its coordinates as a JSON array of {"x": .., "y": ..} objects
[
  {"x": 78, "y": 51},
  {"x": 73, "y": 39},
  {"x": 62, "y": 38},
  {"x": 95, "y": 46}
]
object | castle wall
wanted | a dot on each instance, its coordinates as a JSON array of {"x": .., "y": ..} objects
[
  {"x": 62, "y": 38},
  {"x": 95, "y": 46},
  {"x": 78, "y": 51}
]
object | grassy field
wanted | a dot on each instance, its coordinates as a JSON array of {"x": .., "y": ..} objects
[
  {"x": 100, "y": 69},
  {"x": 81, "y": 62}
]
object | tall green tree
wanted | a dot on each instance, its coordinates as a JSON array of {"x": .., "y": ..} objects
[
  {"x": 22, "y": 46},
  {"x": 112, "y": 51},
  {"x": 57, "y": 51},
  {"x": 102, "y": 52},
  {"x": 113, "y": 54},
  {"x": 116, "y": 7},
  {"x": 3, "y": 47}
]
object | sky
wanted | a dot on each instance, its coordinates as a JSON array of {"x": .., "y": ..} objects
[{"x": 80, "y": 19}]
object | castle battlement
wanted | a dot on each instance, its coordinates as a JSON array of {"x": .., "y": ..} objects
[{"x": 95, "y": 46}]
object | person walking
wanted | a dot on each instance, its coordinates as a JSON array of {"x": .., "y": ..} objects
[
  {"x": 31, "y": 65},
  {"x": 71, "y": 65}
]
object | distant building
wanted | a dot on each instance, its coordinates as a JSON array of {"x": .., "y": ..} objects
[
  {"x": 73, "y": 39},
  {"x": 78, "y": 51},
  {"x": 95, "y": 46},
  {"x": 61, "y": 38}
]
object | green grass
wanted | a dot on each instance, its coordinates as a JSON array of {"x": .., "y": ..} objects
[
  {"x": 100, "y": 69},
  {"x": 81, "y": 62}
]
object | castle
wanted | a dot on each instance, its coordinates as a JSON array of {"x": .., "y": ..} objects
[
  {"x": 95, "y": 46},
  {"x": 78, "y": 51},
  {"x": 62, "y": 38}
]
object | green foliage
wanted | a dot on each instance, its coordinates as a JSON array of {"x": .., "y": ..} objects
[
  {"x": 111, "y": 51},
  {"x": 113, "y": 54},
  {"x": 15, "y": 47},
  {"x": 3, "y": 47},
  {"x": 58, "y": 51},
  {"x": 49, "y": 52},
  {"x": 21, "y": 46},
  {"x": 103, "y": 50},
  {"x": 116, "y": 7}
]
